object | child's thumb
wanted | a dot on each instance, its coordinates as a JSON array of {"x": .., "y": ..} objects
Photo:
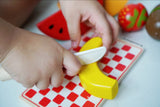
[{"x": 71, "y": 63}]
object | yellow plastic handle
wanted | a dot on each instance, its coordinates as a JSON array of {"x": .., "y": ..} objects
[{"x": 92, "y": 78}]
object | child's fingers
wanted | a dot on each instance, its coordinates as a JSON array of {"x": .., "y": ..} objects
[
  {"x": 57, "y": 77},
  {"x": 28, "y": 85},
  {"x": 43, "y": 83},
  {"x": 71, "y": 63},
  {"x": 27, "y": 80},
  {"x": 73, "y": 23},
  {"x": 114, "y": 25},
  {"x": 103, "y": 27}
]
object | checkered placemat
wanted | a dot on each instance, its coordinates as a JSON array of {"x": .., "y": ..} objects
[{"x": 115, "y": 65}]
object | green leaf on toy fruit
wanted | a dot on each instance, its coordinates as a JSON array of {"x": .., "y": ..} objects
[
  {"x": 142, "y": 18},
  {"x": 133, "y": 19}
]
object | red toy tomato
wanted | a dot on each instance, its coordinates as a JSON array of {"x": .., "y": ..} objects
[{"x": 132, "y": 17}]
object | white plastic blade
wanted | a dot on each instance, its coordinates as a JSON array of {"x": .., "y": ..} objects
[{"x": 90, "y": 56}]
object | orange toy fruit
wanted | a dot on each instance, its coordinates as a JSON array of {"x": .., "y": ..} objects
[{"x": 114, "y": 6}]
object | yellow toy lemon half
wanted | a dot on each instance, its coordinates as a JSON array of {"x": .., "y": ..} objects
[{"x": 93, "y": 80}]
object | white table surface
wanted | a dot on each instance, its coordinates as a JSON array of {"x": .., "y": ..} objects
[{"x": 141, "y": 86}]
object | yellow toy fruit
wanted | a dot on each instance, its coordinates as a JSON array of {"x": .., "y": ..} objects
[
  {"x": 93, "y": 80},
  {"x": 114, "y": 6}
]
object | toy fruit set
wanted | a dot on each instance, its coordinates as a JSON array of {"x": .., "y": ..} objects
[
  {"x": 133, "y": 17},
  {"x": 55, "y": 26},
  {"x": 153, "y": 23}
]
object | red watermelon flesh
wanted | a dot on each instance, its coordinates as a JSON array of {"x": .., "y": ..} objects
[{"x": 55, "y": 26}]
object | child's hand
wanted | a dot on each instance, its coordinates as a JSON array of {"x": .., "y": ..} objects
[
  {"x": 38, "y": 60},
  {"x": 92, "y": 13}
]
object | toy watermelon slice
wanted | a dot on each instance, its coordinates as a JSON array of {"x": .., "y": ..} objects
[{"x": 55, "y": 26}]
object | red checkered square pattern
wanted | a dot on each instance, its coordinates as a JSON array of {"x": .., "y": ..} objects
[
  {"x": 111, "y": 76},
  {"x": 117, "y": 58},
  {"x": 85, "y": 94},
  {"x": 57, "y": 89},
  {"x": 77, "y": 49},
  {"x": 120, "y": 67},
  {"x": 58, "y": 99},
  {"x": 71, "y": 85},
  {"x": 89, "y": 104},
  {"x": 44, "y": 92},
  {"x": 130, "y": 56},
  {"x": 45, "y": 101},
  {"x": 72, "y": 96},
  {"x": 30, "y": 93},
  {"x": 126, "y": 47},
  {"x": 74, "y": 105},
  {"x": 68, "y": 77},
  {"x": 71, "y": 92},
  {"x": 107, "y": 69},
  {"x": 114, "y": 50},
  {"x": 105, "y": 60}
]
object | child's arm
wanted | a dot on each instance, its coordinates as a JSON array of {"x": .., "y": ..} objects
[
  {"x": 16, "y": 11},
  {"x": 92, "y": 13},
  {"x": 33, "y": 59}
]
